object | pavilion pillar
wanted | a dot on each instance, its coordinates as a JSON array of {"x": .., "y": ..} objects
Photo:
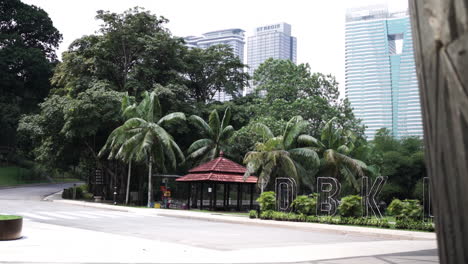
[
  {"x": 224, "y": 196},
  {"x": 195, "y": 198},
  {"x": 214, "y": 196},
  {"x": 201, "y": 196},
  {"x": 228, "y": 194},
  {"x": 239, "y": 197},
  {"x": 210, "y": 196},
  {"x": 189, "y": 195},
  {"x": 251, "y": 196}
]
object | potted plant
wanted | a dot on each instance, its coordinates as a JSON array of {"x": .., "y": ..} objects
[{"x": 10, "y": 227}]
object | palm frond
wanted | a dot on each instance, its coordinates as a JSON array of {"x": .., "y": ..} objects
[
  {"x": 226, "y": 118},
  {"x": 199, "y": 144},
  {"x": 263, "y": 131},
  {"x": 293, "y": 132},
  {"x": 307, "y": 157},
  {"x": 226, "y": 133},
  {"x": 171, "y": 118},
  {"x": 214, "y": 122},
  {"x": 200, "y": 124}
]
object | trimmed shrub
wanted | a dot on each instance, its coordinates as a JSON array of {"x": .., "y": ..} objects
[
  {"x": 253, "y": 214},
  {"x": 395, "y": 207},
  {"x": 350, "y": 206},
  {"x": 88, "y": 196},
  {"x": 267, "y": 215},
  {"x": 409, "y": 209},
  {"x": 405, "y": 223},
  {"x": 305, "y": 204},
  {"x": 412, "y": 209},
  {"x": 267, "y": 201}
]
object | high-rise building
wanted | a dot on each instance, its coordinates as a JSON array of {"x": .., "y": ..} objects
[
  {"x": 381, "y": 82},
  {"x": 270, "y": 41},
  {"x": 232, "y": 37}
]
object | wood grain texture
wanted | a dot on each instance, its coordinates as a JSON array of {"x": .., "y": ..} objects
[{"x": 440, "y": 35}]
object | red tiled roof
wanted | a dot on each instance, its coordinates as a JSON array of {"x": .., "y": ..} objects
[
  {"x": 219, "y": 169},
  {"x": 220, "y": 164},
  {"x": 219, "y": 177}
]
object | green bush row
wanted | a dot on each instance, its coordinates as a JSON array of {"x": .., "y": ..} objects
[
  {"x": 81, "y": 193},
  {"x": 361, "y": 221},
  {"x": 407, "y": 223},
  {"x": 408, "y": 209}
]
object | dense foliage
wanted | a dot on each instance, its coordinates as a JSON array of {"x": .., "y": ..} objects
[
  {"x": 27, "y": 58},
  {"x": 267, "y": 201},
  {"x": 351, "y": 206},
  {"x": 305, "y": 204},
  {"x": 293, "y": 125}
]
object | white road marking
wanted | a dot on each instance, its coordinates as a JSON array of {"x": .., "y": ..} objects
[
  {"x": 57, "y": 215},
  {"x": 31, "y": 215},
  {"x": 79, "y": 214}
]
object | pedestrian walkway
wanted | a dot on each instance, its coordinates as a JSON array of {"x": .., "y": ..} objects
[{"x": 45, "y": 216}]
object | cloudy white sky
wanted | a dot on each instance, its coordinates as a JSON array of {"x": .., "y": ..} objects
[{"x": 317, "y": 24}]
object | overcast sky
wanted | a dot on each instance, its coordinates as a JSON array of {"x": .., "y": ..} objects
[{"x": 317, "y": 24}]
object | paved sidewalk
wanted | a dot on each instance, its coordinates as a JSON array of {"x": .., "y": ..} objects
[
  {"x": 219, "y": 217},
  {"x": 47, "y": 243}
]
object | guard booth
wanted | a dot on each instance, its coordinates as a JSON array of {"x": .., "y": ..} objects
[{"x": 219, "y": 185}]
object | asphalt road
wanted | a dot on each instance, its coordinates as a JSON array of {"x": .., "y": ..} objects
[
  {"x": 213, "y": 235},
  {"x": 27, "y": 201}
]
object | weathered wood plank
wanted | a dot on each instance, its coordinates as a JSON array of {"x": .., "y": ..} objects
[{"x": 440, "y": 35}]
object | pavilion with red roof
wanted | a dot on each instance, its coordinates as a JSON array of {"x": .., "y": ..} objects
[{"x": 218, "y": 172}]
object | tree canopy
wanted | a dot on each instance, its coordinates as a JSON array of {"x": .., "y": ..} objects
[{"x": 28, "y": 40}]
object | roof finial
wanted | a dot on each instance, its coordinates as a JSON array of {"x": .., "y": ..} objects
[{"x": 221, "y": 154}]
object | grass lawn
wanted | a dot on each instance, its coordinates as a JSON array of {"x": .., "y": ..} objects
[
  {"x": 12, "y": 175},
  {"x": 16, "y": 176},
  {"x": 9, "y": 217}
]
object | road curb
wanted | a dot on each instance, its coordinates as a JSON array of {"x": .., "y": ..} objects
[
  {"x": 316, "y": 227},
  {"x": 93, "y": 205}
]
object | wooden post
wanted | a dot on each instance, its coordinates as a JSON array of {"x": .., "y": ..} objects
[
  {"x": 214, "y": 196},
  {"x": 228, "y": 195},
  {"x": 440, "y": 37},
  {"x": 239, "y": 197},
  {"x": 224, "y": 196},
  {"x": 251, "y": 196},
  {"x": 189, "y": 195},
  {"x": 201, "y": 196}
]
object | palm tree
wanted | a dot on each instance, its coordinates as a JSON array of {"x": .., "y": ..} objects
[
  {"x": 281, "y": 155},
  {"x": 117, "y": 137},
  {"x": 143, "y": 138},
  {"x": 216, "y": 134},
  {"x": 335, "y": 146}
]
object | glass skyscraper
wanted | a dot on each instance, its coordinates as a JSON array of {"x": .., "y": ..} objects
[
  {"x": 381, "y": 82},
  {"x": 271, "y": 41},
  {"x": 232, "y": 37}
]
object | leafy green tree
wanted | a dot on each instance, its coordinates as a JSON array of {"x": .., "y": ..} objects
[
  {"x": 213, "y": 70},
  {"x": 144, "y": 139},
  {"x": 282, "y": 79},
  {"x": 28, "y": 41},
  {"x": 128, "y": 110},
  {"x": 68, "y": 131},
  {"x": 292, "y": 90},
  {"x": 133, "y": 52},
  {"x": 216, "y": 133},
  {"x": 281, "y": 155},
  {"x": 335, "y": 146}
]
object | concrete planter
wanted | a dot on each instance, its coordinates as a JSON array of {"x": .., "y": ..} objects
[{"x": 11, "y": 228}]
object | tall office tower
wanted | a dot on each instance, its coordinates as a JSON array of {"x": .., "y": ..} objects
[
  {"x": 233, "y": 37},
  {"x": 271, "y": 41},
  {"x": 381, "y": 82}
]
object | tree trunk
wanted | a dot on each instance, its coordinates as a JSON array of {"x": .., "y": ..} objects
[
  {"x": 128, "y": 181},
  {"x": 440, "y": 36},
  {"x": 150, "y": 187}
]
